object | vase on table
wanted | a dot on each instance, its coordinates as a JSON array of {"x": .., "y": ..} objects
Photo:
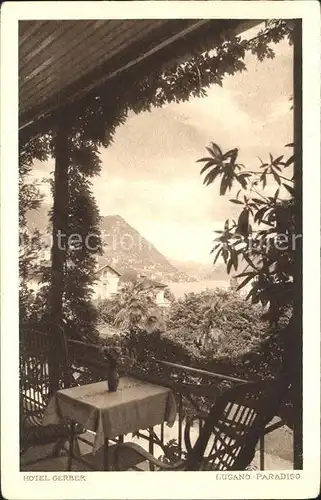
[
  {"x": 111, "y": 356},
  {"x": 112, "y": 379}
]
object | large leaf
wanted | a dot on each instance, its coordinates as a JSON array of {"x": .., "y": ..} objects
[
  {"x": 258, "y": 201},
  {"x": 276, "y": 194},
  {"x": 208, "y": 165},
  {"x": 232, "y": 154},
  {"x": 290, "y": 189},
  {"x": 216, "y": 151},
  {"x": 243, "y": 223},
  {"x": 238, "y": 202},
  {"x": 260, "y": 214},
  {"x": 263, "y": 179},
  {"x": 289, "y": 161},
  {"x": 224, "y": 185},
  {"x": 249, "y": 261},
  {"x": 225, "y": 254},
  {"x": 211, "y": 176},
  {"x": 251, "y": 292},
  {"x": 245, "y": 282},
  {"x": 246, "y": 273},
  {"x": 218, "y": 254},
  {"x": 207, "y": 158},
  {"x": 218, "y": 245},
  {"x": 234, "y": 258},
  {"x": 242, "y": 179},
  {"x": 278, "y": 160}
]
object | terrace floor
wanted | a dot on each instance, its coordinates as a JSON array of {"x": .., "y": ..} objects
[{"x": 277, "y": 456}]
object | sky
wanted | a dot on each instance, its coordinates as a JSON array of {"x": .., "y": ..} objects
[{"x": 150, "y": 176}]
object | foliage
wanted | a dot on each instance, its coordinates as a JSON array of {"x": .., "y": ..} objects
[
  {"x": 213, "y": 324},
  {"x": 168, "y": 295},
  {"x": 250, "y": 349},
  {"x": 133, "y": 307},
  {"x": 215, "y": 328},
  {"x": 80, "y": 261},
  {"x": 177, "y": 77},
  {"x": 229, "y": 326},
  {"x": 242, "y": 359},
  {"x": 105, "y": 312},
  {"x": 94, "y": 121},
  {"x": 30, "y": 198},
  {"x": 240, "y": 349},
  {"x": 264, "y": 234},
  {"x": 81, "y": 240}
]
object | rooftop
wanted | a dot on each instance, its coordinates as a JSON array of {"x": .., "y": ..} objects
[{"x": 67, "y": 63}]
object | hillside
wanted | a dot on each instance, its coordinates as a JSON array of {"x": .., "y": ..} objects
[
  {"x": 124, "y": 248},
  {"x": 203, "y": 272}
]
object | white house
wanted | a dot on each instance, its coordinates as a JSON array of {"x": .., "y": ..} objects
[
  {"x": 107, "y": 282},
  {"x": 158, "y": 287}
]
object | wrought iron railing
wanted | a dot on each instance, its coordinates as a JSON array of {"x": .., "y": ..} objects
[{"x": 195, "y": 391}]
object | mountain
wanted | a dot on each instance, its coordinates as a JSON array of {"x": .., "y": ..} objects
[
  {"x": 124, "y": 248},
  {"x": 202, "y": 271}
]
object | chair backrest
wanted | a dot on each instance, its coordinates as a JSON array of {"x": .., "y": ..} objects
[
  {"x": 87, "y": 362},
  {"x": 43, "y": 369},
  {"x": 234, "y": 425}
]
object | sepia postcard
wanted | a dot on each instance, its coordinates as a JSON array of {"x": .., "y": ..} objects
[{"x": 160, "y": 249}]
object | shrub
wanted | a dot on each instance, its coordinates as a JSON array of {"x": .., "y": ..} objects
[
  {"x": 231, "y": 326},
  {"x": 248, "y": 348},
  {"x": 245, "y": 346},
  {"x": 105, "y": 311}
]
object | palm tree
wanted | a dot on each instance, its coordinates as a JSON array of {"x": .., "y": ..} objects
[{"x": 135, "y": 307}]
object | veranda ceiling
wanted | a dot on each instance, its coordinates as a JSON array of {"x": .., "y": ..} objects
[{"x": 61, "y": 61}]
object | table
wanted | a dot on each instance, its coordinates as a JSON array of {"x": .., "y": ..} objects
[{"x": 135, "y": 405}]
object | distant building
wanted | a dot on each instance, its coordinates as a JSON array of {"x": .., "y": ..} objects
[
  {"x": 107, "y": 282},
  {"x": 159, "y": 288}
]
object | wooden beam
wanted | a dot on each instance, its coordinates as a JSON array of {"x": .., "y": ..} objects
[
  {"x": 297, "y": 338},
  {"x": 174, "y": 46},
  {"x": 59, "y": 232}
]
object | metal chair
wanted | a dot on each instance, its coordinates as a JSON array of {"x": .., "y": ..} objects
[
  {"x": 231, "y": 430},
  {"x": 43, "y": 369}
]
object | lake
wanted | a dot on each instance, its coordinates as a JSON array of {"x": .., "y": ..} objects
[{"x": 179, "y": 289}]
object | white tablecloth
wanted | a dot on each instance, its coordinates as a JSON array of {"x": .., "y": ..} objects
[{"x": 135, "y": 405}]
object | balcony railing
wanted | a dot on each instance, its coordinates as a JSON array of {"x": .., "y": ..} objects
[{"x": 195, "y": 391}]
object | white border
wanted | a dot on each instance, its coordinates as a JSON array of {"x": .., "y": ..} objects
[{"x": 144, "y": 485}]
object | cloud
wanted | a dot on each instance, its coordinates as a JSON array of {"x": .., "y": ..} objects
[
  {"x": 150, "y": 175},
  {"x": 176, "y": 200},
  {"x": 180, "y": 241},
  {"x": 264, "y": 82}
]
